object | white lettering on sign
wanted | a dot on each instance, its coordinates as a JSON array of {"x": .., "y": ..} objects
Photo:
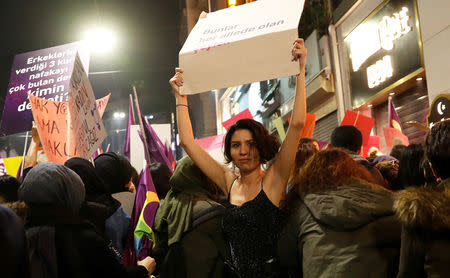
[
  {"x": 368, "y": 38},
  {"x": 392, "y": 28},
  {"x": 379, "y": 72}
]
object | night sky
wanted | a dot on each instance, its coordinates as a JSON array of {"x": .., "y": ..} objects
[{"x": 148, "y": 41}]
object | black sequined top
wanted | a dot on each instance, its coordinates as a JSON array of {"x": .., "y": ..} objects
[{"x": 252, "y": 232}]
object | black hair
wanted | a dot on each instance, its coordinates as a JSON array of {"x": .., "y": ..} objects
[
  {"x": 161, "y": 174},
  {"x": 397, "y": 151},
  {"x": 266, "y": 144},
  {"x": 410, "y": 171},
  {"x": 348, "y": 137},
  {"x": 8, "y": 188},
  {"x": 438, "y": 148}
]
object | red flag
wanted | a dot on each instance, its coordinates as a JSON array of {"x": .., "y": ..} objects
[
  {"x": 363, "y": 123},
  {"x": 243, "y": 115},
  {"x": 374, "y": 141},
  {"x": 212, "y": 142},
  {"x": 310, "y": 124}
]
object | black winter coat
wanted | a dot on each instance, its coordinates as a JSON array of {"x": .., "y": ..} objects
[{"x": 78, "y": 249}]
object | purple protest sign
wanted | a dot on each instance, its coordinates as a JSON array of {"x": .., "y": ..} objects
[{"x": 44, "y": 73}]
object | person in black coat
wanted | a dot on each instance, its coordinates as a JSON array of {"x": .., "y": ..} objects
[
  {"x": 61, "y": 244},
  {"x": 425, "y": 214}
]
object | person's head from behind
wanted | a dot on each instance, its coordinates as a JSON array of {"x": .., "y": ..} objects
[
  {"x": 347, "y": 137},
  {"x": 389, "y": 171},
  {"x": 161, "y": 174},
  {"x": 410, "y": 172},
  {"x": 93, "y": 184},
  {"x": 437, "y": 146},
  {"x": 8, "y": 189},
  {"x": 115, "y": 171},
  {"x": 248, "y": 144},
  {"x": 397, "y": 151},
  {"x": 306, "y": 149},
  {"x": 14, "y": 254},
  {"x": 309, "y": 141},
  {"x": 329, "y": 168},
  {"x": 52, "y": 185}
]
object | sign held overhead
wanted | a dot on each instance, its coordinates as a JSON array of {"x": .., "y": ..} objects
[{"x": 239, "y": 45}]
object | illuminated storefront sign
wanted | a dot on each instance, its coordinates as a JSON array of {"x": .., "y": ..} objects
[{"x": 383, "y": 49}]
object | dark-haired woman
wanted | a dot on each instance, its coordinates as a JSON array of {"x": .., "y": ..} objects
[
  {"x": 341, "y": 224},
  {"x": 253, "y": 219}
]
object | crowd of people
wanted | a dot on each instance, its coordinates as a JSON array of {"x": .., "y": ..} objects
[{"x": 274, "y": 210}]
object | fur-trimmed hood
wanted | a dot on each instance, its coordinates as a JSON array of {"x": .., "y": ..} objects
[
  {"x": 426, "y": 208},
  {"x": 20, "y": 208}
]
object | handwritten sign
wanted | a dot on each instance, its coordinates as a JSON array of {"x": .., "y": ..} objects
[
  {"x": 72, "y": 128},
  {"x": 87, "y": 130},
  {"x": 255, "y": 38},
  {"x": 43, "y": 73},
  {"x": 101, "y": 104}
]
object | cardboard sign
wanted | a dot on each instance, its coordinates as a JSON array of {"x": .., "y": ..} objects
[
  {"x": 394, "y": 136},
  {"x": 101, "y": 104},
  {"x": 243, "y": 115},
  {"x": 363, "y": 123},
  {"x": 255, "y": 38},
  {"x": 72, "y": 128},
  {"x": 310, "y": 124},
  {"x": 44, "y": 73},
  {"x": 278, "y": 123}
]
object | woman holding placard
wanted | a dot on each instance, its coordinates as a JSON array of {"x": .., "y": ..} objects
[{"x": 253, "y": 219}]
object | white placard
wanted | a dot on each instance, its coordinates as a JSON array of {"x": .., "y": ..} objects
[{"x": 242, "y": 44}]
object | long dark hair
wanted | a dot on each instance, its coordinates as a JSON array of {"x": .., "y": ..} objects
[{"x": 266, "y": 144}]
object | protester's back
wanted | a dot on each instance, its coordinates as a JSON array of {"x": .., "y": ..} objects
[
  {"x": 61, "y": 244},
  {"x": 341, "y": 224},
  {"x": 425, "y": 214},
  {"x": 14, "y": 253},
  {"x": 188, "y": 223}
]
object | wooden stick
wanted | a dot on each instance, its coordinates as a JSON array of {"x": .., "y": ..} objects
[
  {"x": 141, "y": 123},
  {"x": 24, "y": 153}
]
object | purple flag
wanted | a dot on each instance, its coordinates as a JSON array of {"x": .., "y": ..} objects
[
  {"x": 98, "y": 152},
  {"x": 126, "y": 150},
  {"x": 156, "y": 148},
  {"x": 19, "y": 172},
  {"x": 141, "y": 238},
  {"x": 394, "y": 120}
]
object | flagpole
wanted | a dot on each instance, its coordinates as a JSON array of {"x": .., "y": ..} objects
[
  {"x": 24, "y": 153},
  {"x": 132, "y": 108},
  {"x": 141, "y": 124}
]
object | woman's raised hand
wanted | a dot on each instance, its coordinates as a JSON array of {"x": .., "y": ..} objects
[
  {"x": 299, "y": 53},
  {"x": 177, "y": 80}
]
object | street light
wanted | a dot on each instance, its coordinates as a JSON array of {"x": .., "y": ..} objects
[{"x": 100, "y": 40}]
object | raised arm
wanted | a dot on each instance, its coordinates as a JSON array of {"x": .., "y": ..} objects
[
  {"x": 278, "y": 174},
  {"x": 219, "y": 174},
  {"x": 30, "y": 159}
]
